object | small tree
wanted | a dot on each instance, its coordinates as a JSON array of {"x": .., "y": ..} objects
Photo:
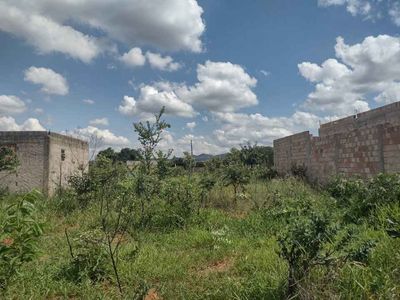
[
  {"x": 254, "y": 155},
  {"x": 163, "y": 165},
  {"x": 149, "y": 136},
  {"x": 237, "y": 176},
  {"x": 207, "y": 183}
]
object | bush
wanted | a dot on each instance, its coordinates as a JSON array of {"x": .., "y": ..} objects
[
  {"x": 299, "y": 171},
  {"x": 301, "y": 244},
  {"x": 362, "y": 198},
  {"x": 19, "y": 235},
  {"x": 88, "y": 258},
  {"x": 344, "y": 189},
  {"x": 181, "y": 197}
]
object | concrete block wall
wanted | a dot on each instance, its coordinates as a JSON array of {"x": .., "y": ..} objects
[
  {"x": 364, "y": 145},
  {"x": 39, "y": 155},
  {"x": 31, "y": 149},
  {"x": 76, "y": 160},
  {"x": 293, "y": 150}
]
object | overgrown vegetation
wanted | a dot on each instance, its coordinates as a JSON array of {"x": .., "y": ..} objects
[{"x": 229, "y": 230}]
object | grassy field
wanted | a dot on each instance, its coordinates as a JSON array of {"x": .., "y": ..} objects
[{"x": 223, "y": 251}]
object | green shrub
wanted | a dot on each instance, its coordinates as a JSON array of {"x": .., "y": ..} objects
[
  {"x": 19, "y": 235},
  {"x": 362, "y": 198},
  {"x": 388, "y": 218},
  {"x": 343, "y": 189},
  {"x": 299, "y": 171},
  {"x": 301, "y": 246},
  {"x": 88, "y": 258}
]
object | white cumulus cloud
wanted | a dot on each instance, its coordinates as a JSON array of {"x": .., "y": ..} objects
[
  {"x": 10, "y": 105},
  {"x": 99, "y": 122},
  {"x": 368, "y": 9},
  {"x": 9, "y": 124},
  {"x": 345, "y": 86},
  {"x": 48, "y": 25},
  {"x": 105, "y": 136},
  {"x": 45, "y": 34},
  {"x": 239, "y": 128},
  {"x": 152, "y": 98},
  {"x": 51, "y": 82},
  {"x": 222, "y": 86},
  {"x": 134, "y": 57},
  {"x": 191, "y": 125},
  {"x": 157, "y": 61}
]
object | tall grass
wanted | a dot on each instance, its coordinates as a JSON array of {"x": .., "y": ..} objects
[{"x": 224, "y": 251}]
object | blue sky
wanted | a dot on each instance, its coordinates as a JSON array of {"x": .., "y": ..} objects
[{"x": 228, "y": 71}]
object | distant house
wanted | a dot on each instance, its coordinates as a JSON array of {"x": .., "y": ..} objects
[{"x": 46, "y": 160}]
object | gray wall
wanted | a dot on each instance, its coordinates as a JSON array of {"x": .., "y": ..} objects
[{"x": 41, "y": 167}]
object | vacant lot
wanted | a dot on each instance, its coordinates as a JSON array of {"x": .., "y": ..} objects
[{"x": 220, "y": 251}]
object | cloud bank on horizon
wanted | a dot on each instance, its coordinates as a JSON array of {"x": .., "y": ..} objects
[{"x": 163, "y": 51}]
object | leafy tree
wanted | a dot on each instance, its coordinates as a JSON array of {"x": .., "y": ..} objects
[
  {"x": 236, "y": 175},
  {"x": 252, "y": 155},
  {"x": 214, "y": 164},
  {"x": 178, "y": 161},
  {"x": 108, "y": 153},
  {"x": 127, "y": 154}
]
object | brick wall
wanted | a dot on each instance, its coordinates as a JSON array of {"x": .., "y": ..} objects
[{"x": 364, "y": 144}]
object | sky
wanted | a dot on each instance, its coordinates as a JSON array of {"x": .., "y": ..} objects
[{"x": 227, "y": 71}]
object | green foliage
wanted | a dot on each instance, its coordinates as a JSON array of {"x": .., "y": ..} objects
[
  {"x": 264, "y": 173},
  {"x": 344, "y": 189},
  {"x": 214, "y": 164},
  {"x": 362, "y": 198},
  {"x": 126, "y": 154},
  {"x": 237, "y": 176},
  {"x": 301, "y": 244},
  {"x": 8, "y": 159},
  {"x": 149, "y": 136},
  {"x": 388, "y": 218},
  {"x": 83, "y": 187},
  {"x": 254, "y": 155},
  {"x": 89, "y": 259},
  {"x": 299, "y": 171},
  {"x": 19, "y": 235},
  {"x": 163, "y": 164},
  {"x": 108, "y": 153},
  {"x": 221, "y": 252}
]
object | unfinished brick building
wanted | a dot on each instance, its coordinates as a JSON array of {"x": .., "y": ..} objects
[
  {"x": 364, "y": 144},
  {"x": 46, "y": 160}
]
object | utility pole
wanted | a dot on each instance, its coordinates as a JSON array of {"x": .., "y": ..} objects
[{"x": 191, "y": 159}]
